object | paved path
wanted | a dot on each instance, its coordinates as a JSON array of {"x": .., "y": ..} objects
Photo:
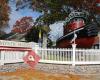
[
  {"x": 51, "y": 77},
  {"x": 49, "y": 72},
  {"x": 11, "y": 78}
]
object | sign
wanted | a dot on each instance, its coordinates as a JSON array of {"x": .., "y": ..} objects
[
  {"x": 75, "y": 14},
  {"x": 6, "y": 43},
  {"x": 31, "y": 59}
]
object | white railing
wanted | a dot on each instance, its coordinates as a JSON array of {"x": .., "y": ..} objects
[
  {"x": 49, "y": 55},
  {"x": 56, "y": 56},
  {"x": 65, "y": 56},
  {"x": 87, "y": 56},
  {"x": 11, "y": 56}
]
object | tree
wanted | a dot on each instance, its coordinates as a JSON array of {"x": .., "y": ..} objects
[
  {"x": 2, "y": 33},
  {"x": 37, "y": 33},
  {"x": 23, "y": 25},
  {"x": 32, "y": 35},
  {"x": 56, "y": 10},
  {"x": 4, "y": 12}
]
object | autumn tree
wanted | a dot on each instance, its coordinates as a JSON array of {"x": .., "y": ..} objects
[
  {"x": 23, "y": 25},
  {"x": 4, "y": 12}
]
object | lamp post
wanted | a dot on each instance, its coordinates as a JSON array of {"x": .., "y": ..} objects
[{"x": 74, "y": 47}]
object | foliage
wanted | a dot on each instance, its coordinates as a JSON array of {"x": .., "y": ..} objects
[
  {"x": 55, "y": 10},
  {"x": 23, "y": 25},
  {"x": 4, "y": 12},
  {"x": 2, "y": 33},
  {"x": 52, "y": 10},
  {"x": 32, "y": 35}
]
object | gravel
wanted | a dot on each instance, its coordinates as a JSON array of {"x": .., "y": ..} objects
[{"x": 54, "y": 68}]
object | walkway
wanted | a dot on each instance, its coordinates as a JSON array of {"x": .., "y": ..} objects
[{"x": 22, "y": 71}]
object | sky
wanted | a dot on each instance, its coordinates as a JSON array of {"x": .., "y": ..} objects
[
  {"x": 56, "y": 30},
  {"x": 15, "y": 15}
]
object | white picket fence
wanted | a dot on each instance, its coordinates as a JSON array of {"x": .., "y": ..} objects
[
  {"x": 65, "y": 56},
  {"x": 71, "y": 56},
  {"x": 11, "y": 56},
  {"x": 55, "y": 55}
]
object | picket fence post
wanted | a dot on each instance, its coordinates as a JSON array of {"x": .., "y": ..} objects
[
  {"x": 36, "y": 49},
  {"x": 2, "y": 58},
  {"x": 74, "y": 53}
]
